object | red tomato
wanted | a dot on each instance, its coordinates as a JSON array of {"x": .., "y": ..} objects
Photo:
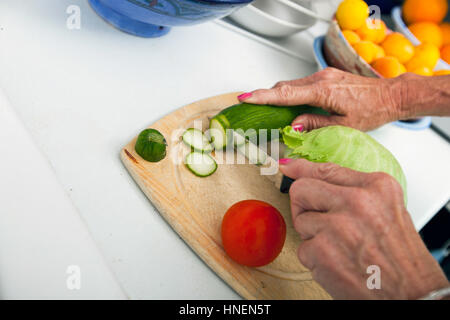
[{"x": 253, "y": 233}]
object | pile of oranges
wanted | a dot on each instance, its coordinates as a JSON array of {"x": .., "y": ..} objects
[{"x": 391, "y": 53}]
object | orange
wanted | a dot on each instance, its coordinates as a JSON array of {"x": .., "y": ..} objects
[
  {"x": 396, "y": 45},
  {"x": 389, "y": 67},
  {"x": 378, "y": 52},
  {"x": 445, "y": 29},
  {"x": 422, "y": 71},
  {"x": 427, "y": 32},
  {"x": 442, "y": 73},
  {"x": 351, "y": 14},
  {"x": 425, "y": 55},
  {"x": 445, "y": 53},
  {"x": 373, "y": 30},
  {"x": 351, "y": 36},
  {"x": 382, "y": 32},
  {"x": 366, "y": 50},
  {"x": 424, "y": 10}
]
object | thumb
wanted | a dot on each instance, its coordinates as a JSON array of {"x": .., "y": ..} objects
[
  {"x": 314, "y": 121},
  {"x": 285, "y": 95}
]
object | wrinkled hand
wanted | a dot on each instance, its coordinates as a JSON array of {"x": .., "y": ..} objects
[
  {"x": 351, "y": 220},
  {"x": 354, "y": 101}
]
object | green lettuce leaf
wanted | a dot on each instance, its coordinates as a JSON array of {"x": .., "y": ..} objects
[{"x": 346, "y": 147}]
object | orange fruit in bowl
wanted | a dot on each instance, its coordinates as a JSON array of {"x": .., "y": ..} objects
[
  {"x": 442, "y": 73},
  {"x": 382, "y": 32},
  {"x": 366, "y": 50},
  {"x": 396, "y": 45},
  {"x": 351, "y": 36},
  {"x": 445, "y": 53},
  {"x": 425, "y": 55},
  {"x": 351, "y": 14},
  {"x": 424, "y": 10},
  {"x": 427, "y": 32},
  {"x": 378, "y": 52},
  {"x": 422, "y": 71},
  {"x": 389, "y": 67},
  {"x": 373, "y": 30},
  {"x": 445, "y": 29}
]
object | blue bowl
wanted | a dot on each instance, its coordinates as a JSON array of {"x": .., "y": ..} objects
[
  {"x": 416, "y": 124},
  {"x": 153, "y": 18}
]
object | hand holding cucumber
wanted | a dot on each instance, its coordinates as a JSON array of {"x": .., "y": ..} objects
[{"x": 359, "y": 102}]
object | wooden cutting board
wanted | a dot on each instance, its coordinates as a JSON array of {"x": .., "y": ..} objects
[{"x": 194, "y": 207}]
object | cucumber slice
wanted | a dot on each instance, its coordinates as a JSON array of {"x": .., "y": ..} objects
[
  {"x": 197, "y": 140},
  {"x": 253, "y": 153},
  {"x": 218, "y": 134},
  {"x": 200, "y": 164}
]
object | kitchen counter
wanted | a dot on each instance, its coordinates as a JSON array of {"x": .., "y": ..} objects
[
  {"x": 83, "y": 94},
  {"x": 46, "y": 250}
]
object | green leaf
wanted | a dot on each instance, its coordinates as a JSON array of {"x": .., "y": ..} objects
[{"x": 346, "y": 147}]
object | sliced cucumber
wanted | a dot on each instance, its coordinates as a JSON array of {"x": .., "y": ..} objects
[
  {"x": 200, "y": 164},
  {"x": 238, "y": 138},
  {"x": 197, "y": 140},
  {"x": 253, "y": 153},
  {"x": 218, "y": 134}
]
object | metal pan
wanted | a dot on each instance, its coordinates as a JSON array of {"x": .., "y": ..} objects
[{"x": 274, "y": 18}]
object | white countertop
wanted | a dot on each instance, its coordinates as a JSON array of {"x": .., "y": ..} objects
[
  {"x": 83, "y": 94},
  {"x": 46, "y": 250}
]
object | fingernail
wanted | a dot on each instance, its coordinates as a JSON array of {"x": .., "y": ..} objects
[
  {"x": 284, "y": 161},
  {"x": 298, "y": 127},
  {"x": 244, "y": 96}
]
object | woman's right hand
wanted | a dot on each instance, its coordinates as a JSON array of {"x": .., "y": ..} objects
[{"x": 352, "y": 223}]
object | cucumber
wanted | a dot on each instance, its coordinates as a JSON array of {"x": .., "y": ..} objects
[
  {"x": 196, "y": 139},
  {"x": 247, "y": 116},
  {"x": 151, "y": 145},
  {"x": 218, "y": 134},
  {"x": 253, "y": 153},
  {"x": 200, "y": 164},
  {"x": 238, "y": 138}
]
